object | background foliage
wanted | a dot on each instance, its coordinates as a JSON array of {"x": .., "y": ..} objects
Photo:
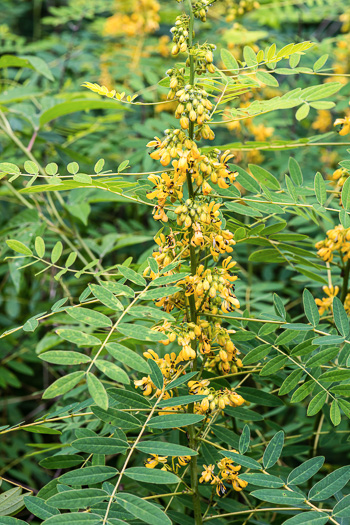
[{"x": 295, "y": 373}]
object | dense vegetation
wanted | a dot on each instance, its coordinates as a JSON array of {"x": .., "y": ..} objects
[{"x": 175, "y": 262}]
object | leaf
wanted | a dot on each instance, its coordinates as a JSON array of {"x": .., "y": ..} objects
[
  {"x": 290, "y": 382},
  {"x": 61, "y": 357},
  {"x": 128, "y": 399},
  {"x": 97, "y": 391},
  {"x": 303, "y": 391},
  {"x": 265, "y": 177},
  {"x": 113, "y": 371},
  {"x": 148, "y": 475},
  {"x": 88, "y": 475},
  {"x": 19, "y": 247},
  {"x": 175, "y": 420},
  {"x": 257, "y": 354},
  {"x": 335, "y": 413},
  {"x": 273, "y": 366},
  {"x": 244, "y": 440},
  {"x": 320, "y": 188},
  {"x": 63, "y": 384},
  {"x": 243, "y": 413},
  {"x": 61, "y": 461},
  {"x": 308, "y": 518},
  {"x": 165, "y": 449},
  {"x": 128, "y": 357},
  {"x": 180, "y": 380},
  {"x": 7, "y": 520},
  {"x": 279, "y": 306},
  {"x": 345, "y": 195},
  {"x": 273, "y": 450},
  {"x": 246, "y": 180},
  {"x": 279, "y": 496},
  {"x": 11, "y": 501},
  {"x": 117, "y": 418},
  {"x": 88, "y": 316},
  {"x": 106, "y": 297},
  {"x": 40, "y": 247},
  {"x": 56, "y": 252},
  {"x": 295, "y": 171},
  {"x": 229, "y": 61},
  {"x": 39, "y": 507},
  {"x": 262, "y": 480},
  {"x": 100, "y": 445},
  {"x": 253, "y": 395},
  {"x": 311, "y": 310},
  {"x": 317, "y": 403},
  {"x": 77, "y": 337},
  {"x": 156, "y": 374},
  {"x": 77, "y": 498},
  {"x": 302, "y": 112},
  {"x": 131, "y": 275},
  {"x": 158, "y": 293},
  {"x": 245, "y": 461},
  {"x": 320, "y": 62},
  {"x": 329, "y": 485},
  {"x": 342, "y": 508},
  {"x": 66, "y": 108},
  {"x": 140, "y": 332},
  {"x": 267, "y": 78},
  {"x": 75, "y": 518},
  {"x": 142, "y": 509},
  {"x": 340, "y": 317},
  {"x": 335, "y": 375}
]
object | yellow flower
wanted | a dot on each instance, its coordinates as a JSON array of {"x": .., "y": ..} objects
[
  {"x": 345, "y": 125},
  {"x": 207, "y": 474},
  {"x": 323, "y": 121},
  {"x": 154, "y": 460}
]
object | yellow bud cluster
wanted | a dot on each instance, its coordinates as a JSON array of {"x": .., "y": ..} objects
[
  {"x": 194, "y": 106},
  {"x": 181, "y": 34},
  {"x": 237, "y": 9},
  {"x": 228, "y": 473},
  {"x": 337, "y": 241}
]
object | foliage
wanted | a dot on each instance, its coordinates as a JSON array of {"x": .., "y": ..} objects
[{"x": 116, "y": 245}]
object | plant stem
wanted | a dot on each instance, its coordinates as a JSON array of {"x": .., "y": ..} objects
[
  {"x": 345, "y": 285},
  {"x": 191, "y": 429}
]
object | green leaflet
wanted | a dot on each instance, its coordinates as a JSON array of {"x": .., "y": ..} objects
[
  {"x": 175, "y": 420},
  {"x": 308, "y": 518},
  {"x": 142, "y": 509},
  {"x": 273, "y": 450},
  {"x": 77, "y": 337},
  {"x": 61, "y": 357},
  {"x": 127, "y": 356},
  {"x": 88, "y": 475},
  {"x": 116, "y": 418},
  {"x": 165, "y": 449},
  {"x": 147, "y": 475},
  {"x": 39, "y": 507},
  {"x": 305, "y": 471},
  {"x": 88, "y": 316},
  {"x": 112, "y": 371},
  {"x": 326, "y": 487},
  {"x": 100, "y": 445},
  {"x": 63, "y": 384},
  {"x": 279, "y": 496},
  {"x": 97, "y": 391}
]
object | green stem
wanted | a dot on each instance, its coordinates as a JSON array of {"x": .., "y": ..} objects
[
  {"x": 345, "y": 285},
  {"x": 191, "y": 429}
]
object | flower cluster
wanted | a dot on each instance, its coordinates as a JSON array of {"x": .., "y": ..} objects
[
  {"x": 337, "y": 240},
  {"x": 194, "y": 106},
  {"x": 176, "y": 462},
  {"x": 228, "y": 474},
  {"x": 133, "y": 17},
  {"x": 180, "y": 33},
  {"x": 237, "y": 9}
]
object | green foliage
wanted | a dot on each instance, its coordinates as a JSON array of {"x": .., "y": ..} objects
[{"x": 81, "y": 313}]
